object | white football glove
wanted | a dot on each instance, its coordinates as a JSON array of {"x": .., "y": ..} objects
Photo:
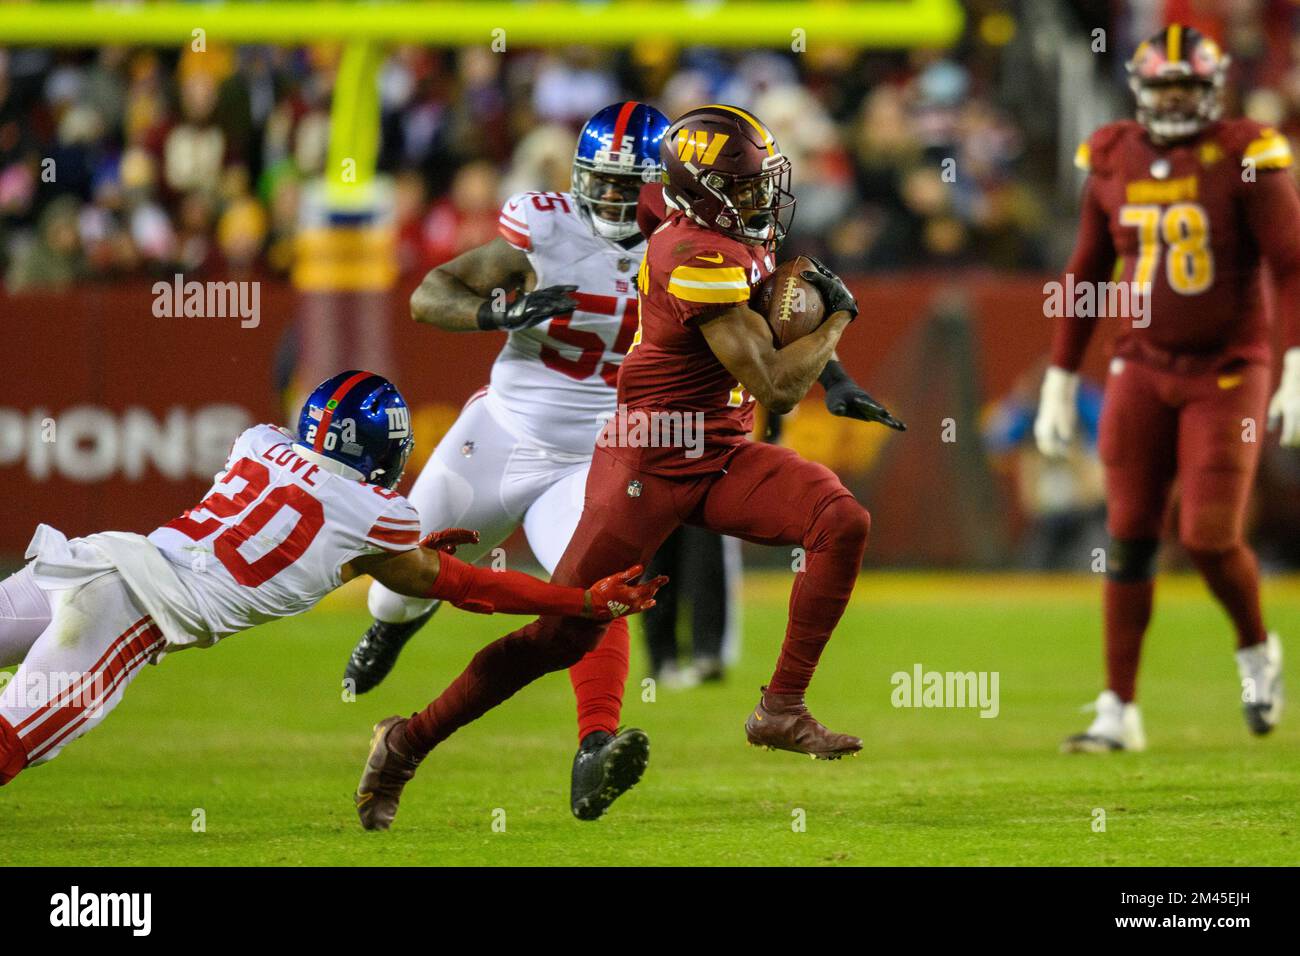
[
  {"x": 1058, "y": 413},
  {"x": 1284, "y": 409}
]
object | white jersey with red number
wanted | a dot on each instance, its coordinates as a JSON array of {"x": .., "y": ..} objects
[
  {"x": 271, "y": 536},
  {"x": 553, "y": 385}
]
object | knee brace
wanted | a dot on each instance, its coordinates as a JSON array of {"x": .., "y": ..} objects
[{"x": 1133, "y": 560}]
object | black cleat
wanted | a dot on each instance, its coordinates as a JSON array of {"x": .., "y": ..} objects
[
  {"x": 605, "y": 767},
  {"x": 376, "y": 652}
]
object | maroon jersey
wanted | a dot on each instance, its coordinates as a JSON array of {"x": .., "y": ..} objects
[
  {"x": 688, "y": 272},
  {"x": 1191, "y": 222}
]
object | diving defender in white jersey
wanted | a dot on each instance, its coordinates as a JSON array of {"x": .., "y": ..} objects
[{"x": 289, "y": 519}]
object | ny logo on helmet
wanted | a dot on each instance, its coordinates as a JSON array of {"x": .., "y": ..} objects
[
  {"x": 693, "y": 143},
  {"x": 399, "y": 421}
]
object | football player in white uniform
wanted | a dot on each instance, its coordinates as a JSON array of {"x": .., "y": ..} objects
[
  {"x": 289, "y": 519},
  {"x": 519, "y": 452}
]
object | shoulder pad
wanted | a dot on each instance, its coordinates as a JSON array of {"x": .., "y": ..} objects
[
  {"x": 1258, "y": 145},
  {"x": 1094, "y": 153},
  {"x": 529, "y": 216},
  {"x": 705, "y": 266}
]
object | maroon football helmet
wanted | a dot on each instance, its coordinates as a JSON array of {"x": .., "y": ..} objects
[
  {"x": 722, "y": 167},
  {"x": 1178, "y": 56}
]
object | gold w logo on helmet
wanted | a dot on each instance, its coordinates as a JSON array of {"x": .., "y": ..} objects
[{"x": 697, "y": 143}]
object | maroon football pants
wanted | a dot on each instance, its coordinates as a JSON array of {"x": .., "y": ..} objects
[
  {"x": 768, "y": 495},
  {"x": 1203, "y": 431}
]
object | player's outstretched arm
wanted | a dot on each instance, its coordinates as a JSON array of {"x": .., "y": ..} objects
[
  {"x": 428, "y": 572},
  {"x": 468, "y": 294},
  {"x": 742, "y": 341}
]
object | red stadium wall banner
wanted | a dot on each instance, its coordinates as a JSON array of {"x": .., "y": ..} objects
[{"x": 113, "y": 417}]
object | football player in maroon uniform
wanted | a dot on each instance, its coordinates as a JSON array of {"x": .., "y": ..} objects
[
  {"x": 1185, "y": 207},
  {"x": 678, "y": 449}
]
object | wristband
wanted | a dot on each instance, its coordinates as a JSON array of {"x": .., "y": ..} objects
[
  {"x": 832, "y": 375},
  {"x": 488, "y": 319}
]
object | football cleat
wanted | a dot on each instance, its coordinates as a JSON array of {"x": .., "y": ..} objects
[
  {"x": 1260, "y": 668},
  {"x": 673, "y": 676},
  {"x": 376, "y": 652},
  {"x": 389, "y": 767},
  {"x": 605, "y": 767},
  {"x": 782, "y": 722},
  {"x": 1117, "y": 726},
  {"x": 709, "y": 670}
]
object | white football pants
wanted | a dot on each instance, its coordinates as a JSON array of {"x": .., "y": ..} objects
[
  {"x": 24, "y": 612},
  {"x": 76, "y": 668}
]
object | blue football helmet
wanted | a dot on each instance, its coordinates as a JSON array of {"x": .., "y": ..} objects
[
  {"x": 618, "y": 153},
  {"x": 361, "y": 420}
]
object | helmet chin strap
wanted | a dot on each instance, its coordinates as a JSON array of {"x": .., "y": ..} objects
[
  {"x": 1172, "y": 131},
  {"x": 613, "y": 231},
  {"x": 1208, "y": 109},
  {"x": 616, "y": 232}
]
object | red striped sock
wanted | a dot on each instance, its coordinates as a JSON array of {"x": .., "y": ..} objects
[{"x": 13, "y": 758}]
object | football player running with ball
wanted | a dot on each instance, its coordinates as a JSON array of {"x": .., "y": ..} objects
[
  {"x": 703, "y": 356},
  {"x": 518, "y": 453},
  {"x": 290, "y": 518},
  {"x": 1188, "y": 207}
]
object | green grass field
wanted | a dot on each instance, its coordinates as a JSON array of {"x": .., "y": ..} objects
[{"x": 255, "y": 734}]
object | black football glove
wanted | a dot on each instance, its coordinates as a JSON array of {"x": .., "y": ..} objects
[
  {"x": 528, "y": 309},
  {"x": 847, "y": 399},
  {"x": 834, "y": 292}
]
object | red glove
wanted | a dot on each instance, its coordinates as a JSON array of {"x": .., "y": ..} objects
[
  {"x": 484, "y": 591},
  {"x": 619, "y": 594},
  {"x": 447, "y": 539}
]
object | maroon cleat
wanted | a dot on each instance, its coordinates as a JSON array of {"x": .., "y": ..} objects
[
  {"x": 782, "y": 722},
  {"x": 389, "y": 767}
]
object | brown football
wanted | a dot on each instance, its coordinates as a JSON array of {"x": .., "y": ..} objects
[{"x": 792, "y": 306}]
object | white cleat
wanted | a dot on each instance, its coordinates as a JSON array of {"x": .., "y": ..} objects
[
  {"x": 1260, "y": 668},
  {"x": 1118, "y": 726},
  {"x": 673, "y": 677}
]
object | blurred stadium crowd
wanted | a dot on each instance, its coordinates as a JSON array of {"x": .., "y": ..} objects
[
  {"x": 180, "y": 161},
  {"x": 117, "y": 162}
]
